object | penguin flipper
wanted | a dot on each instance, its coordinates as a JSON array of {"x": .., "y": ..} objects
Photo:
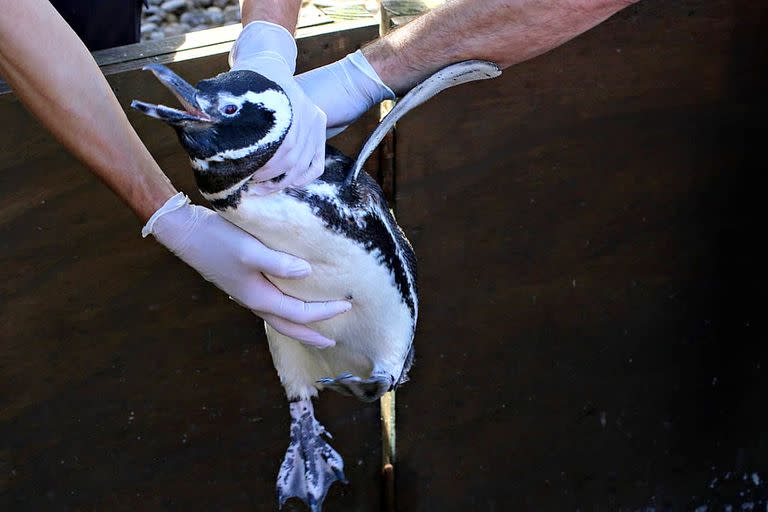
[
  {"x": 366, "y": 390},
  {"x": 455, "y": 74},
  {"x": 310, "y": 465}
]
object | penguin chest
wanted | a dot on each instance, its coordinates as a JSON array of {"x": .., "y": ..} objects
[{"x": 379, "y": 328}]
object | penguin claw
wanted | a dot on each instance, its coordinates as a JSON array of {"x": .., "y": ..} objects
[{"x": 366, "y": 390}]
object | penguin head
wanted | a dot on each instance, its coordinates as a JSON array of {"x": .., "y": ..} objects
[{"x": 230, "y": 126}]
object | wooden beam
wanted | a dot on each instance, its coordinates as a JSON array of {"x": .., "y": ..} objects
[{"x": 195, "y": 45}]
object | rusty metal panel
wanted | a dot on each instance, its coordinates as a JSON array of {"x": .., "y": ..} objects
[
  {"x": 591, "y": 335},
  {"x": 126, "y": 381}
]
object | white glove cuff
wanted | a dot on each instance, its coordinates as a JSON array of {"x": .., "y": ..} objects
[
  {"x": 172, "y": 204},
  {"x": 264, "y": 40},
  {"x": 383, "y": 92}
]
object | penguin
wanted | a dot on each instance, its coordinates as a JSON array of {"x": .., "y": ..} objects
[{"x": 230, "y": 126}]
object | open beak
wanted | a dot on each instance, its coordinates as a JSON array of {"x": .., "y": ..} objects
[{"x": 184, "y": 92}]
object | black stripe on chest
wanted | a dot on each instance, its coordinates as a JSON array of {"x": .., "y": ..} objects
[{"x": 371, "y": 228}]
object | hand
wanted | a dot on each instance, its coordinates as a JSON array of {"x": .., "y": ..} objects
[
  {"x": 270, "y": 50},
  {"x": 344, "y": 90},
  {"x": 234, "y": 261}
]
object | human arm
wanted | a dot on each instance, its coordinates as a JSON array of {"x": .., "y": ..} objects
[
  {"x": 56, "y": 78},
  {"x": 506, "y": 32},
  {"x": 502, "y": 31},
  {"x": 72, "y": 99},
  {"x": 280, "y": 12}
]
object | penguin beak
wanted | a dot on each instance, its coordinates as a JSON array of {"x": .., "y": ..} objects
[{"x": 184, "y": 92}]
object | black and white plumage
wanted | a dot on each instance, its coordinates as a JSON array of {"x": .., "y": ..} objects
[{"x": 340, "y": 223}]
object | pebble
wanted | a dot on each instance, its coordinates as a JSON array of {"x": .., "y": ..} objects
[
  {"x": 174, "y": 5},
  {"x": 167, "y": 18},
  {"x": 193, "y": 18},
  {"x": 148, "y": 28},
  {"x": 175, "y": 29},
  {"x": 232, "y": 14},
  {"x": 215, "y": 16}
]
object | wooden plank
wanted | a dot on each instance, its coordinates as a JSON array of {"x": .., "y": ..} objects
[
  {"x": 590, "y": 335},
  {"x": 396, "y": 13},
  {"x": 126, "y": 381},
  {"x": 194, "y": 45}
]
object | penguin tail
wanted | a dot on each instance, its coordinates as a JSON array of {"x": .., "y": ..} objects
[{"x": 365, "y": 390}]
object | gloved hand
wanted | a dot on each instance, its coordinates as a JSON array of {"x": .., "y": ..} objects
[
  {"x": 270, "y": 50},
  {"x": 344, "y": 90},
  {"x": 234, "y": 261}
]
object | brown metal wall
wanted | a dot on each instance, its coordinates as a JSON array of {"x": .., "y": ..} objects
[
  {"x": 126, "y": 381},
  {"x": 587, "y": 228}
]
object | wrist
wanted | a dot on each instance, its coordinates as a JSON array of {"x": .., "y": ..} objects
[
  {"x": 408, "y": 55},
  {"x": 266, "y": 47},
  {"x": 344, "y": 90},
  {"x": 281, "y": 12},
  {"x": 169, "y": 220},
  {"x": 127, "y": 167},
  {"x": 366, "y": 79},
  {"x": 389, "y": 65}
]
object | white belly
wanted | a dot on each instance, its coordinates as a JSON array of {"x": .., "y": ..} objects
[{"x": 375, "y": 333}]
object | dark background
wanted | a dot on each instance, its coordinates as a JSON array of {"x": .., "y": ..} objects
[{"x": 591, "y": 335}]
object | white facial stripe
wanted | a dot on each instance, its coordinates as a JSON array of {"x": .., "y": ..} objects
[
  {"x": 226, "y": 192},
  {"x": 272, "y": 100}
]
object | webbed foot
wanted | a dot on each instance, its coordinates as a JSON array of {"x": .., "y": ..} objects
[
  {"x": 311, "y": 465},
  {"x": 367, "y": 390}
]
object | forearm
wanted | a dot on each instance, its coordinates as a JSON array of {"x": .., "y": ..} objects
[
  {"x": 56, "y": 78},
  {"x": 503, "y": 31},
  {"x": 279, "y": 12}
]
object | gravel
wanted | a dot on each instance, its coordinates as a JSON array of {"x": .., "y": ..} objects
[{"x": 166, "y": 18}]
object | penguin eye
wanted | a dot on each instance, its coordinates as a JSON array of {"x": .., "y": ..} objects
[{"x": 229, "y": 109}]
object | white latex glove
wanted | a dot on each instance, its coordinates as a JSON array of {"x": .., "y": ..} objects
[
  {"x": 270, "y": 50},
  {"x": 234, "y": 261},
  {"x": 344, "y": 90}
]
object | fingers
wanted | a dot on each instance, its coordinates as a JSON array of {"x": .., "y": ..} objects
[
  {"x": 274, "y": 167},
  {"x": 295, "y": 176},
  {"x": 261, "y": 258},
  {"x": 299, "y": 332},
  {"x": 242, "y": 257},
  {"x": 302, "y": 312},
  {"x": 311, "y": 157},
  {"x": 316, "y": 167},
  {"x": 301, "y": 156},
  {"x": 333, "y": 131},
  {"x": 278, "y": 164},
  {"x": 265, "y": 298},
  {"x": 287, "y": 160},
  {"x": 284, "y": 158}
]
